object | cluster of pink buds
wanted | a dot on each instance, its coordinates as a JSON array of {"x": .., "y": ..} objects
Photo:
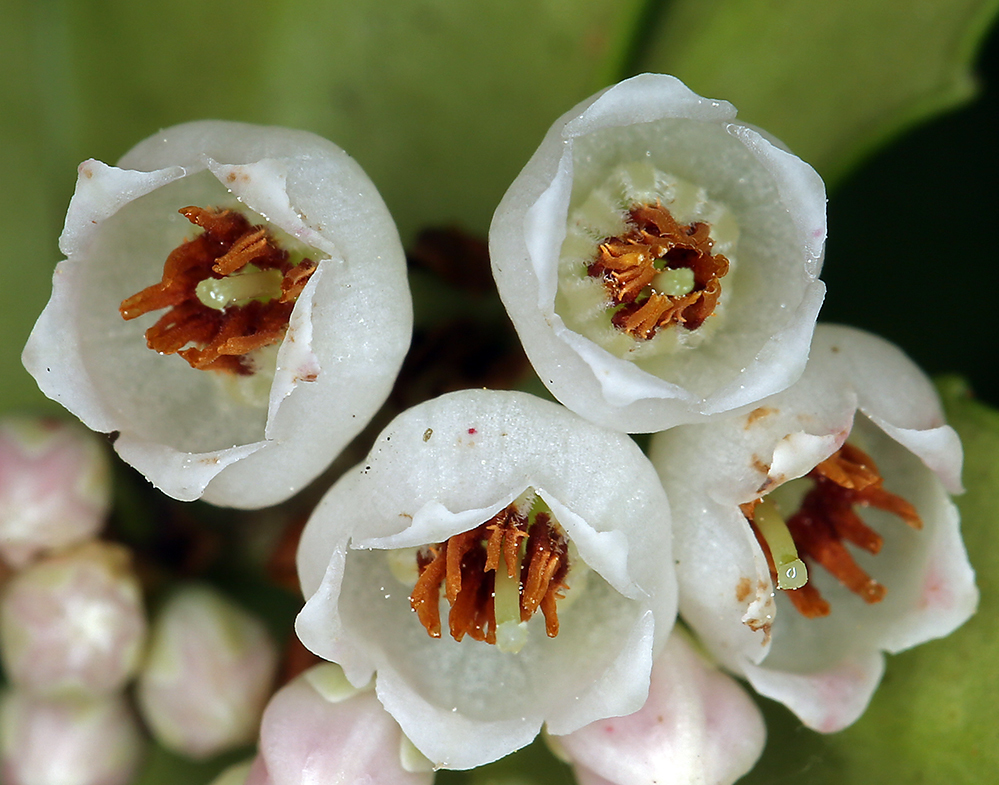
[{"x": 74, "y": 638}]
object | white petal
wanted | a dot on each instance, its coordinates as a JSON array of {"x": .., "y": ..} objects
[{"x": 827, "y": 700}]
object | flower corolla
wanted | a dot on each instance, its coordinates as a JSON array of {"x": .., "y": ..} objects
[
  {"x": 659, "y": 258},
  {"x": 210, "y": 355},
  {"x": 496, "y": 509},
  {"x": 698, "y": 726},
  {"x": 816, "y": 532}
]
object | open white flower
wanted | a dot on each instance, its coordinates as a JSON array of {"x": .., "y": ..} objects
[
  {"x": 836, "y": 493},
  {"x": 512, "y": 505},
  {"x": 276, "y": 331},
  {"x": 659, "y": 259}
]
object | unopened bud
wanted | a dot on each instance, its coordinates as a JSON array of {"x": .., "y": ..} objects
[
  {"x": 68, "y": 741},
  {"x": 55, "y": 487},
  {"x": 208, "y": 675},
  {"x": 73, "y": 623},
  {"x": 321, "y": 729}
]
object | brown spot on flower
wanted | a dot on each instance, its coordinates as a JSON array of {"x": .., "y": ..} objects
[
  {"x": 219, "y": 339},
  {"x": 759, "y": 413},
  {"x": 743, "y": 589},
  {"x": 630, "y": 263},
  {"x": 827, "y": 520},
  {"x": 466, "y": 566}
]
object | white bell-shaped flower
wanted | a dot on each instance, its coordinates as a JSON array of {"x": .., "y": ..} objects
[
  {"x": 495, "y": 509},
  {"x": 233, "y": 306},
  {"x": 816, "y": 532},
  {"x": 659, "y": 258}
]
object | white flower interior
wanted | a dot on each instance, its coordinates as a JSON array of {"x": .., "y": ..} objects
[
  {"x": 700, "y": 171},
  {"x": 173, "y": 404},
  {"x": 479, "y": 680},
  {"x": 582, "y": 301}
]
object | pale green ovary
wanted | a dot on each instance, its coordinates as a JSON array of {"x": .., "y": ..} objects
[{"x": 240, "y": 288}]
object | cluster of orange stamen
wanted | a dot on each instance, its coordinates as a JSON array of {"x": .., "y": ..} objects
[
  {"x": 629, "y": 263},
  {"x": 211, "y": 339},
  {"x": 826, "y": 519},
  {"x": 466, "y": 564}
]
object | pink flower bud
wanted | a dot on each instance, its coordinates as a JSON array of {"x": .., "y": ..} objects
[
  {"x": 55, "y": 487},
  {"x": 74, "y": 623},
  {"x": 320, "y": 729},
  {"x": 697, "y": 726},
  {"x": 68, "y": 741},
  {"x": 208, "y": 674}
]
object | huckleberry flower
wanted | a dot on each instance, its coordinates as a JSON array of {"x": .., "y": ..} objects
[
  {"x": 68, "y": 741},
  {"x": 55, "y": 487},
  {"x": 73, "y": 623},
  {"x": 544, "y": 539},
  {"x": 816, "y": 532},
  {"x": 319, "y": 728},
  {"x": 659, "y": 258},
  {"x": 233, "y": 305},
  {"x": 208, "y": 674},
  {"x": 697, "y": 727}
]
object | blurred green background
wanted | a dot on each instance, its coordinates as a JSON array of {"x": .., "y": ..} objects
[{"x": 442, "y": 101}]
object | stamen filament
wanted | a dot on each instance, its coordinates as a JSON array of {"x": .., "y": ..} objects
[
  {"x": 496, "y": 577},
  {"x": 511, "y": 632},
  {"x": 823, "y": 523},
  {"x": 791, "y": 570}
]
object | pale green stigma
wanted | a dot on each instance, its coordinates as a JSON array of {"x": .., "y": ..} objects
[
  {"x": 791, "y": 571},
  {"x": 240, "y": 288},
  {"x": 674, "y": 282},
  {"x": 511, "y": 632}
]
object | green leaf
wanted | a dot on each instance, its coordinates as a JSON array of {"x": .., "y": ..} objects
[
  {"x": 933, "y": 720},
  {"x": 833, "y": 80}
]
